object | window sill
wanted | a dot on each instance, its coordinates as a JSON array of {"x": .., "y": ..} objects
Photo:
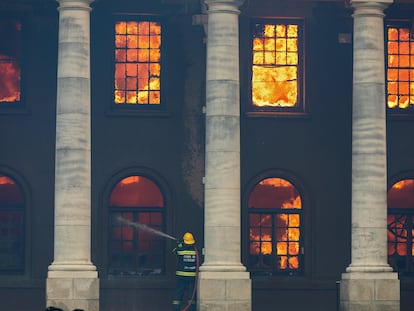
[
  {"x": 138, "y": 113},
  {"x": 14, "y": 111},
  {"x": 277, "y": 114}
]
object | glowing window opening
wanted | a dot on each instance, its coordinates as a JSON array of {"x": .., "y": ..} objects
[
  {"x": 400, "y": 69},
  {"x": 10, "y": 58},
  {"x": 12, "y": 227},
  {"x": 135, "y": 201},
  {"x": 400, "y": 224},
  {"x": 137, "y": 63},
  {"x": 275, "y": 208},
  {"x": 276, "y": 66}
]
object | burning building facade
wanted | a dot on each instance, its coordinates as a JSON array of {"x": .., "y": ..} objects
[{"x": 272, "y": 130}]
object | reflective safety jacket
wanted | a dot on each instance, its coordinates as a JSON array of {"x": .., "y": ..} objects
[{"x": 186, "y": 260}]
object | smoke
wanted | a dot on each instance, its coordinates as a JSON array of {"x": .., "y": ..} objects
[{"x": 145, "y": 228}]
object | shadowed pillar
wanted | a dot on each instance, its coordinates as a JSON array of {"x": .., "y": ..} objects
[
  {"x": 72, "y": 280},
  {"x": 224, "y": 283},
  {"x": 369, "y": 283}
]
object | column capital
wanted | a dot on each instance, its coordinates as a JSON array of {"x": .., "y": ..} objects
[
  {"x": 372, "y": 4},
  {"x": 74, "y": 4},
  {"x": 224, "y": 3}
]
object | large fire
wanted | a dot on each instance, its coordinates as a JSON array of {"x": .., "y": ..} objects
[
  {"x": 10, "y": 32},
  {"x": 275, "y": 65},
  {"x": 137, "y": 67},
  {"x": 276, "y": 232},
  {"x": 400, "y": 196},
  {"x": 400, "y": 72}
]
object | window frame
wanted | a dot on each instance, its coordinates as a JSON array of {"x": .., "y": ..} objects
[
  {"x": 139, "y": 109},
  {"x": 303, "y": 241},
  {"x": 395, "y": 112},
  {"x": 103, "y": 232},
  {"x": 24, "y": 272},
  {"x": 301, "y": 109},
  {"x": 400, "y": 211}
]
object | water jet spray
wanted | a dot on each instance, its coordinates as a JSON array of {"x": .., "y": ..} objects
[{"x": 145, "y": 228}]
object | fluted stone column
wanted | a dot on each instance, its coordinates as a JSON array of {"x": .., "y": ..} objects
[
  {"x": 72, "y": 280},
  {"x": 369, "y": 283},
  {"x": 224, "y": 283}
]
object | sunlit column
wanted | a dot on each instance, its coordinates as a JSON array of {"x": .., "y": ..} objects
[
  {"x": 369, "y": 280},
  {"x": 72, "y": 278},
  {"x": 369, "y": 154},
  {"x": 222, "y": 180},
  {"x": 222, "y": 271}
]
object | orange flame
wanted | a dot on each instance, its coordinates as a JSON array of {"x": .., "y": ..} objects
[
  {"x": 286, "y": 241},
  {"x": 9, "y": 80},
  {"x": 275, "y": 66},
  {"x": 10, "y": 33},
  {"x": 137, "y": 69},
  {"x": 400, "y": 75}
]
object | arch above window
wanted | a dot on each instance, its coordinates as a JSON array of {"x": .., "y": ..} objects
[
  {"x": 275, "y": 193},
  {"x": 401, "y": 194},
  {"x": 136, "y": 191}
]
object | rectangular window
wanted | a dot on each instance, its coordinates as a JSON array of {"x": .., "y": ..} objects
[
  {"x": 400, "y": 69},
  {"x": 10, "y": 59},
  {"x": 276, "y": 78},
  {"x": 137, "y": 72}
]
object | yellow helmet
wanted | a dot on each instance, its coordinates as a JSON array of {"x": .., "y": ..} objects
[{"x": 188, "y": 238}]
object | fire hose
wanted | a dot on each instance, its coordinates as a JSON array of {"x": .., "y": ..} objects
[{"x": 190, "y": 302}]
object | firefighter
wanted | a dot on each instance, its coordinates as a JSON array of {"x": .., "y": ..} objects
[{"x": 186, "y": 273}]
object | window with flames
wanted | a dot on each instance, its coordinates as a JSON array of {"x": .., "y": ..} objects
[
  {"x": 275, "y": 212},
  {"x": 12, "y": 227},
  {"x": 10, "y": 59},
  {"x": 400, "y": 222},
  {"x": 136, "y": 202},
  {"x": 137, "y": 63},
  {"x": 276, "y": 80},
  {"x": 400, "y": 69}
]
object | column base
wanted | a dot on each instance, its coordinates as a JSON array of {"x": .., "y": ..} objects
[
  {"x": 373, "y": 291},
  {"x": 76, "y": 289},
  {"x": 224, "y": 291}
]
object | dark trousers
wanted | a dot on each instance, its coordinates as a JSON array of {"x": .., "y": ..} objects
[{"x": 185, "y": 285}]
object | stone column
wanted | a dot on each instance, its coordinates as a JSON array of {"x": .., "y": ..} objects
[
  {"x": 224, "y": 283},
  {"x": 369, "y": 283},
  {"x": 72, "y": 280}
]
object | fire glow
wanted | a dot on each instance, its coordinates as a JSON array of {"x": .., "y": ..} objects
[
  {"x": 400, "y": 72},
  {"x": 137, "y": 67},
  {"x": 400, "y": 196},
  {"x": 275, "y": 65},
  {"x": 10, "y": 32},
  {"x": 276, "y": 233}
]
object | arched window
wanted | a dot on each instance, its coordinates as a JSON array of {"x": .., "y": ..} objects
[
  {"x": 136, "y": 209},
  {"x": 400, "y": 222},
  {"x": 275, "y": 212},
  {"x": 12, "y": 225}
]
